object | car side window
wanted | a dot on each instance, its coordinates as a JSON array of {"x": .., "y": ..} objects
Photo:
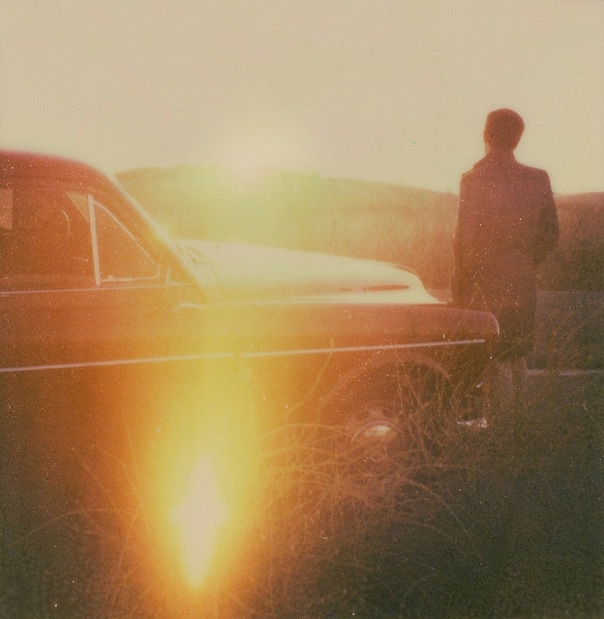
[
  {"x": 117, "y": 254},
  {"x": 44, "y": 240},
  {"x": 55, "y": 238}
]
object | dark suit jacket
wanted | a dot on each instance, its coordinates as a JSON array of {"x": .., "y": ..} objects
[{"x": 506, "y": 225}]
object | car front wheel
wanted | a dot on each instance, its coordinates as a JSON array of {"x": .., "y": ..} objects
[{"x": 393, "y": 412}]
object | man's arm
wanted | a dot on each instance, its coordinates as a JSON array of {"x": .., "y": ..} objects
[
  {"x": 457, "y": 276},
  {"x": 548, "y": 230}
]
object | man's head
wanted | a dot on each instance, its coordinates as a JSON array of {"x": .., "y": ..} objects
[{"x": 503, "y": 129}]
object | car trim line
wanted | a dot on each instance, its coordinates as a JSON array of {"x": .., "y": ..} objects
[
  {"x": 313, "y": 351},
  {"x": 248, "y": 355}
]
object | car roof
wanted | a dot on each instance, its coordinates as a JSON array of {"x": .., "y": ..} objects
[
  {"x": 16, "y": 164},
  {"x": 21, "y": 164}
]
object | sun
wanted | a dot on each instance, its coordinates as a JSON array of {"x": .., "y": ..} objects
[{"x": 255, "y": 151}]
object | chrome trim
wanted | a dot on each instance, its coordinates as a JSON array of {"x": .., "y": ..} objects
[
  {"x": 312, "y": 351},
  {"x": 245, "y": 355},
  {"x": 104, "y": 287},
  {"x": 95, "y": 240}
]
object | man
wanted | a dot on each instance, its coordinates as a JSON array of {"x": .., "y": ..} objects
[{"x": 506, "y": 225}]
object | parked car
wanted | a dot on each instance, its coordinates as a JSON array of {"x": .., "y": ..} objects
[{"x": 111, "y": 332}]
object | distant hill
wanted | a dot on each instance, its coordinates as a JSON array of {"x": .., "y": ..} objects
[
  {"x": 578, "y": 262},
  {"x": 388, "y": 222}
]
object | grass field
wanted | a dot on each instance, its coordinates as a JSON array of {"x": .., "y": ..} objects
[
  {"x": 505, "y": 522},
  {"x": 500, "y": 522}
]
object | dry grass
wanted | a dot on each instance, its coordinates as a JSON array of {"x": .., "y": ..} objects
[
  {"x": 493, "y": 523},
  {"x": 502, "y": 522}
]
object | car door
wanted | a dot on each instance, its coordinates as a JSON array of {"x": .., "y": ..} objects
[
  {"x": 79, "y": 288},
  {"x": 94, "y": 347}
]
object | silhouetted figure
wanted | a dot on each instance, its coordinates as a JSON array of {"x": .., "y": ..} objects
[{"x": 506, "y": 225}]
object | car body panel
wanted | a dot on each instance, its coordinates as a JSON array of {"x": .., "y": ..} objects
[
  {"x": 206, "y": 298},
  {"x": 116, "y": 354},
  {"x": 247, "y": 272}
]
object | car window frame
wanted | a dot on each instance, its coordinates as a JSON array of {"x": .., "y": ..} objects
[
  {"x": 94, "y": 207},
  {"x": 96, "y": 198}
]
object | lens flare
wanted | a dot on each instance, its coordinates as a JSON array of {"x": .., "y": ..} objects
[{"x": 198, "y": 520}]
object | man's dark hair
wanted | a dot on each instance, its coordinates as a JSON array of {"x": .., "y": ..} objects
[{"x": 503, "y": 129}]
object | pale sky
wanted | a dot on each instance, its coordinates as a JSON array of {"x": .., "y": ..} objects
[{"x": 387, "y": 90}]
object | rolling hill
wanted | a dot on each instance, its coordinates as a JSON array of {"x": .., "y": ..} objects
[{"x": 351, "y": 217}]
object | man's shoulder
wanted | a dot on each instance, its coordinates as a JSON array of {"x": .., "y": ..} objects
[
  {"x": 488, "y": 166},
  {"x": 531, "y": 171},
  {"x": 477, "y": 168},
  {"x": 533, "y": 179}
]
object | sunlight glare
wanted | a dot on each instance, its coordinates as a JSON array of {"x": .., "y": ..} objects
[
  {"x": 198, "y": 520},
  {"x": 253, "y": 152}
]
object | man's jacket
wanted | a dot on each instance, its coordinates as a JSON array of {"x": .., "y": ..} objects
[{"x": 506, "y": 225}]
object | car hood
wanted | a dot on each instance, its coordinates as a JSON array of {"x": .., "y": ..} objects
[{"x": 237, "y": 272}]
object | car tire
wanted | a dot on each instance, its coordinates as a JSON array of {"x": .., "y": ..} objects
[{"x": 392, "y": 412}]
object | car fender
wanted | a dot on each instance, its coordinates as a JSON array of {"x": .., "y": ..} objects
[{"x": 383, "y": 363}]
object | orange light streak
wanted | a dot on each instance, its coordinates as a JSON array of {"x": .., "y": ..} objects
[{"x": 198, "y": 520}]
